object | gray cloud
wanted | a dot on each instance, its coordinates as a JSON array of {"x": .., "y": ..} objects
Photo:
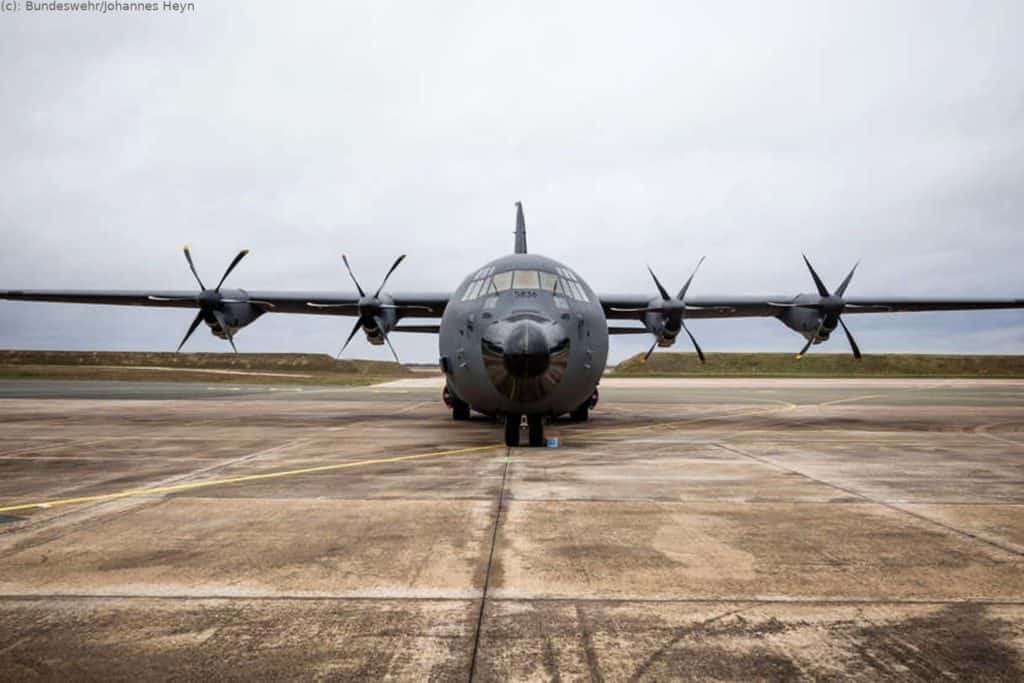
[{"x": 888, "y": 132}]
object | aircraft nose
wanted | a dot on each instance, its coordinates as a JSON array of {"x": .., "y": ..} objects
[
  {"x": 525, "y": 351},
  {"x": 525, "y": 357}
]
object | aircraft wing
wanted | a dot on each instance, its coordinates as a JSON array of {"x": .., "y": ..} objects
[
  {"x": 413, "y": 305},
  {"x": 630, "y": 306},
  {"x": 909, "y": 304},
  {"x": 110, "y": 297},
  {"x": 625, "y": 306}
]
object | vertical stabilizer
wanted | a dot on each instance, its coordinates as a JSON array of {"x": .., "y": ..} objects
[{"x": 520, "y": 229}]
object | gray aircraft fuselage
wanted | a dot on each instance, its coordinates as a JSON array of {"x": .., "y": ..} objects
[{"x": 526, "y": 346}]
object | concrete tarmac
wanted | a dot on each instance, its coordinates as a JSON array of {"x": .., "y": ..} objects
[{"x": 693, "y": 529}]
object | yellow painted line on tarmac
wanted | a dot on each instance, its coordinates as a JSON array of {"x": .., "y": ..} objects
[
  {"x": 851, "y": 399},
  {"x": 235, "y": 480},
  {"x": 888, "y": 394}
]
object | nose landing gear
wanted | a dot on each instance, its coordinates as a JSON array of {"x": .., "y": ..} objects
[
  {"x": 512, "y": 430},
  {"x": 534, "y": 425}
]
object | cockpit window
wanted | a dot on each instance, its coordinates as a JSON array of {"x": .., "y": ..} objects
[
  {"x": 526, "y": 279},
  {"x": 471, "y": 290},
  {"x": 574, "y": 290},
  {"x": 565, "y": 283},
  {"x": 503, "y": 281}
]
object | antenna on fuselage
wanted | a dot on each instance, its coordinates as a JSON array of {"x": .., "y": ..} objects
[{"x": 520, "y": 229}]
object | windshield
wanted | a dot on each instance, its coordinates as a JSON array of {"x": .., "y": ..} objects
[{"x": 563, "y": 283}]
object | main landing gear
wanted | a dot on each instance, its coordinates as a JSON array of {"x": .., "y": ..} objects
[
  {"x": 535, "y": 427},
  {"x": 460, "y": 409},
  {"x": 582, "y": 413}
]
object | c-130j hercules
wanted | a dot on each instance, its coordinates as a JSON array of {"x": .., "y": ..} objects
[{"x": 524, "y": 335}]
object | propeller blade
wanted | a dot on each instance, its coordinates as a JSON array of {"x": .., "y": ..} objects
[
  {"x": 849, "y": 338},
  {"x": 380, "y": 326},
  {"x": 700, "y": 354},
  {"x": 810, "y": 341},
  {"x": 355, "y": 328},
  {"x": 661, "y": 290},
  {"x": 231, "y": 266},
  {"x": 393, "y": 352},
  {"x": 188, "y": 257},
  {"x": 393, "y": 266},
  {"x": 842, "y": 288},
  {"x": 682, "y": 292},
  {"x": 650, "y": 351},
  {"x": 191, "y": 328},
  {"x": 801, "y": 352},
  {"x": 822, "y": 289},
  {"x": 349, "y": 268},
  {"x": 224, "y": 327}
]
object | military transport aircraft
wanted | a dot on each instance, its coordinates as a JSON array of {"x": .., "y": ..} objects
[{"x": 524, "y": 335}]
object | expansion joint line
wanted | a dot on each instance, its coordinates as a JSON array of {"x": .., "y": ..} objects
[
  {"x": 490, "y": 562},
  {"x": 896, "y": 508}
]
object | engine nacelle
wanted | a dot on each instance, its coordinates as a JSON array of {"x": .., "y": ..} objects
[
  {"x": 384, "y": 319},
  {"x": 655, "y": 321},
  {"x": 804, "y": 321},
  {"x": 236, "y": 315}
]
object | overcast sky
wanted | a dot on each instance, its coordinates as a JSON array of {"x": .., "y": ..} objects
[{"x": 634, "y": 133}]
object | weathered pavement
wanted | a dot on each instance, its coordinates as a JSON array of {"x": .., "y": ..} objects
[{"x": 728, "y": 529}]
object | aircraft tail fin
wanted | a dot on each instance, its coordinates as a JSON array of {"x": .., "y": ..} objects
[{"x": 520, "y": 229}]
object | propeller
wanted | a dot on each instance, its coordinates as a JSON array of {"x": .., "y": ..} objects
[
  {"x": 210, "y": 301},
  {"x": 369, "y": 307},
  {"x": 673, "y": 309},
  {"x": 831, "y": 307}
]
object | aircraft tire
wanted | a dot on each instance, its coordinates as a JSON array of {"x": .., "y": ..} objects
[
  {"x": 536, "y": 423},
  {"x": 512, "y": 430},
  {"x": 460, "y": 409},
  {"x": 581, "y": 414}
]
